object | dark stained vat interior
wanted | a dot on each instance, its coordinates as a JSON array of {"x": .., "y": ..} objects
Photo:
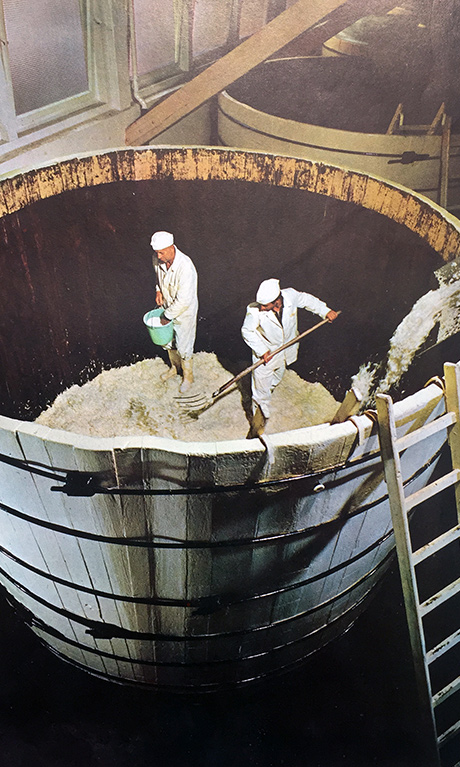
[{"x": 80, "y": 277}]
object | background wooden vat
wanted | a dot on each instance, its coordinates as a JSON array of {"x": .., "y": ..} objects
[{"x": 337, "y": 110}]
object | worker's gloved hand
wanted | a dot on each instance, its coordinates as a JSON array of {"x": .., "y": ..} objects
[
  {"x": 332, "y": 315},
  {"x": 164, "y": 320},
  {"x": 266, "y": 357}
]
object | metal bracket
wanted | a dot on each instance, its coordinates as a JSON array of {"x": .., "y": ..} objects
[
  {"x": 78, "y": 483},
  {"x": 407, "y": 158}
]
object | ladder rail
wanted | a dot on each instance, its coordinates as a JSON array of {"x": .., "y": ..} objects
[
  {"x": 445, "y": 159},
  {"x": 393, "y": 477},
  {"x": 452, "y": 395},
  {"x": 391, "y": 446}
]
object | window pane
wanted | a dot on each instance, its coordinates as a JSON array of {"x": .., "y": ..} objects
[
  {"x": 154, "y": 26},
  {"x": 210, "y": 25},
  {"x": 253, "y": 16},
  {"x": 46, "y": 50}
]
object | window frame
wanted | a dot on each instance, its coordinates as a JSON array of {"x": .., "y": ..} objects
[
  {"x": 106, "y": 69},
  {"x": 109, "y": 39},
  {"x": 168, "y": 76},
  {"x": 186, "y": 63}
]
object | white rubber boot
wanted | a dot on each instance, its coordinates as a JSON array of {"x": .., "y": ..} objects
[
  {"x": 174, "y": 370},
  {"x": 187, "y": 373}
]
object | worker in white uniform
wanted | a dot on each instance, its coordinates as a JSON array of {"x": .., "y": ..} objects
[
  {"x": 177, "y": 292},
  {"x": 269, "y": 323}
]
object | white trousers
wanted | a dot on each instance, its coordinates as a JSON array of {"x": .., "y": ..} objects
[
  {"x": 184, "y": 335},
  {"x": 264, "y": 379}
]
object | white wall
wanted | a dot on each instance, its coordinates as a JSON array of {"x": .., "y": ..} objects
[{"x": 101, "y": 129}]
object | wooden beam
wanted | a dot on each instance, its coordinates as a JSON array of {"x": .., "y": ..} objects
[{"x": 303, "y": 15}]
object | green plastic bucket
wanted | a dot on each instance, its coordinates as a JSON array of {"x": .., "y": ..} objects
[{"x": 162, "y": 334}]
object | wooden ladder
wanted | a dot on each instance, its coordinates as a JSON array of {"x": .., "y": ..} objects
[
  {"x": 442, "y": 124},
  {"x": 400, "y": 505}
]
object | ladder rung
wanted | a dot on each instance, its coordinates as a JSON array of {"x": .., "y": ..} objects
[
  {"x": 427, "y": 430},
  {"x": 411, "y": 128},
  {"x": 432, "y": 489},
  {"x": 446, "y": 692},
  {"x": 438, "y": 599},
  {"x": 448, "y": 733},
  {"x": 436, "y": 544},
  {"x": 443, "y": 647}
]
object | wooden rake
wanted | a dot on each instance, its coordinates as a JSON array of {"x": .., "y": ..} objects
[{"x": 194, "y": 404}]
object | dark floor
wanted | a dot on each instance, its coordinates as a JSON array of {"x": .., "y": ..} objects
[{"x": 351, "y": 705}]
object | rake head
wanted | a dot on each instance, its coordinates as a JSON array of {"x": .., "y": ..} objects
[{"x": 192, "y": 405}]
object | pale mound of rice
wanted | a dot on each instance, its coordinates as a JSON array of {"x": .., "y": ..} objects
[{"x": 133, "y": 400}]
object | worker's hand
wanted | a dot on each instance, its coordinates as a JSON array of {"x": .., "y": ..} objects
[
  {"x": 159, "y": 298},
  {"x": 164, "y": 320},
  {"x": 266, "y": 357},
  {"x": 332, "y": 315}
]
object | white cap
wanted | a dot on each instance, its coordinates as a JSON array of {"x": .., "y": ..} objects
[
  {"x": 161, "y": 240},
  {"x": 269, "y": 291}
]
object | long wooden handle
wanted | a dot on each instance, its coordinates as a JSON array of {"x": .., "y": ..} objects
[{"x": 261, "y": 361}]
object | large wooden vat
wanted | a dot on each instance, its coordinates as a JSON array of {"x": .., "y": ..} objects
[
  {"x": 403, "y": 33},
  {"x": 199, "y": 565},
  {"x": 338, "y": 110}
]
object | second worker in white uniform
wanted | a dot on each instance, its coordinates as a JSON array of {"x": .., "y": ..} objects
[
  {"x": 271, "y": 322},
  {"x": 177, "y": 292}
]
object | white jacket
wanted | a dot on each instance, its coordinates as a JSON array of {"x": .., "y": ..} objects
[
  {"x": 179, "y": 288},
  {"x": 263, "y": 332}
]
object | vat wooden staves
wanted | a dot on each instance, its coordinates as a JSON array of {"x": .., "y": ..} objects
[{"x": 191, "y": 565}]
